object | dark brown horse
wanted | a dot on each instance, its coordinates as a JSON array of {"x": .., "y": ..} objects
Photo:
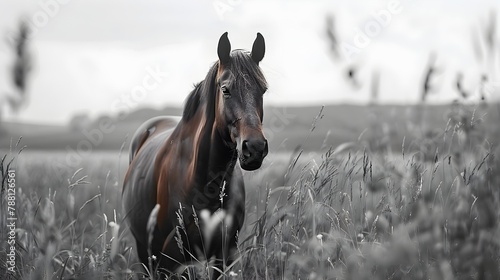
[{"x": 188, "y": 166}]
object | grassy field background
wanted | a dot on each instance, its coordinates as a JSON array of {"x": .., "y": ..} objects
[
  {"x": 286, "y": 127},
  {"x": 348, "y": 192}
]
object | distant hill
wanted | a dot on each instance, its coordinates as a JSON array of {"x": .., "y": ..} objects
[
  {"x": 147, "y": 113},
  {"x": 383, "y": 126}
]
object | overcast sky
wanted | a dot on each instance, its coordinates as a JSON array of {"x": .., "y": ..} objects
[{"x": 90, "y": 55}]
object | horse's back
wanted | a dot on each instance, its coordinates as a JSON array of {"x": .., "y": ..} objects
[{"x": 148, "y": 129}]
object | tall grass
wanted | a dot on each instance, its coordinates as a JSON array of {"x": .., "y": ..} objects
[
  {"x": 428, "y": 211},
  {"x": 361, "y": 214},
  {"x": 67, "y": 226}
]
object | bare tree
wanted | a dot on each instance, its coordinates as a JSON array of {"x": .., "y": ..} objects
[
  {"x": 331, "y": 33},
  {"x": 485, "y": 43},
  {"x": 351, "y": 70},
  {"x": 459, "y": 85},
  {"x": 20, "y": 70},
  {"x": 430, "y": 72}
]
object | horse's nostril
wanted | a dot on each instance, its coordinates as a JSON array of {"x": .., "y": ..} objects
[
  {"x": 266, "y": 148},
  {"x": 254, "y": 149},
  {"x": 244, "y": 149}
]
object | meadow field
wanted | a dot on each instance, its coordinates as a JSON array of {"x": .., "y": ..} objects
[{"x": 390, "y": 198}]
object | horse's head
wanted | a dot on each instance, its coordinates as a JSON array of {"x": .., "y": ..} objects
[{"x": 239, "y": 110}]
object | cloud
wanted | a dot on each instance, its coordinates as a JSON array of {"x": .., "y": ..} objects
[{"x": 93, "y": 50}]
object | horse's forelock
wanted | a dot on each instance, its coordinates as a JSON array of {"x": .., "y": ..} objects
[{"x": 244, "y": 67}]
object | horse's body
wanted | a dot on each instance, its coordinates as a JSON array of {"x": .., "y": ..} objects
[{"x": 189, "y": 164}]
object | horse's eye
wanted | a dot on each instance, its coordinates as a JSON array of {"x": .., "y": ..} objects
[{"x": 225, "y": 92}]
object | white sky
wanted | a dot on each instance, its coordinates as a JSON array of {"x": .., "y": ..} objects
[{"x": 93, "y": 53}]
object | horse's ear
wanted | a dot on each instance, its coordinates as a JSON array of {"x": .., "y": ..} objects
[
  {"x": 258, "y": 49},
  {"x": 224, "y": 49}
]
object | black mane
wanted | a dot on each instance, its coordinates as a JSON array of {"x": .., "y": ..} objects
[
  {"x": 192, "y": 103},
  {"x": 201, "y": 90}
]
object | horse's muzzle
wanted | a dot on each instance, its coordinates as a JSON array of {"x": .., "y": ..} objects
[{"x": 253, "y": 152}]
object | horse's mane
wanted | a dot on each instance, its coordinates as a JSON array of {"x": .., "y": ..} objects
[
  {"x": 241, "y": 65},
  {"x": 200, "y": 91},
  {"x": 192, "y": 103}
]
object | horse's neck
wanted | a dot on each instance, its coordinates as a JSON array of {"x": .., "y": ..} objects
[
  {"x": 213, "y": 166},
  {"x": 218, "y": 157},
  {"x": 222, "y": 158},
  {"x": 214, "y": 158}
]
